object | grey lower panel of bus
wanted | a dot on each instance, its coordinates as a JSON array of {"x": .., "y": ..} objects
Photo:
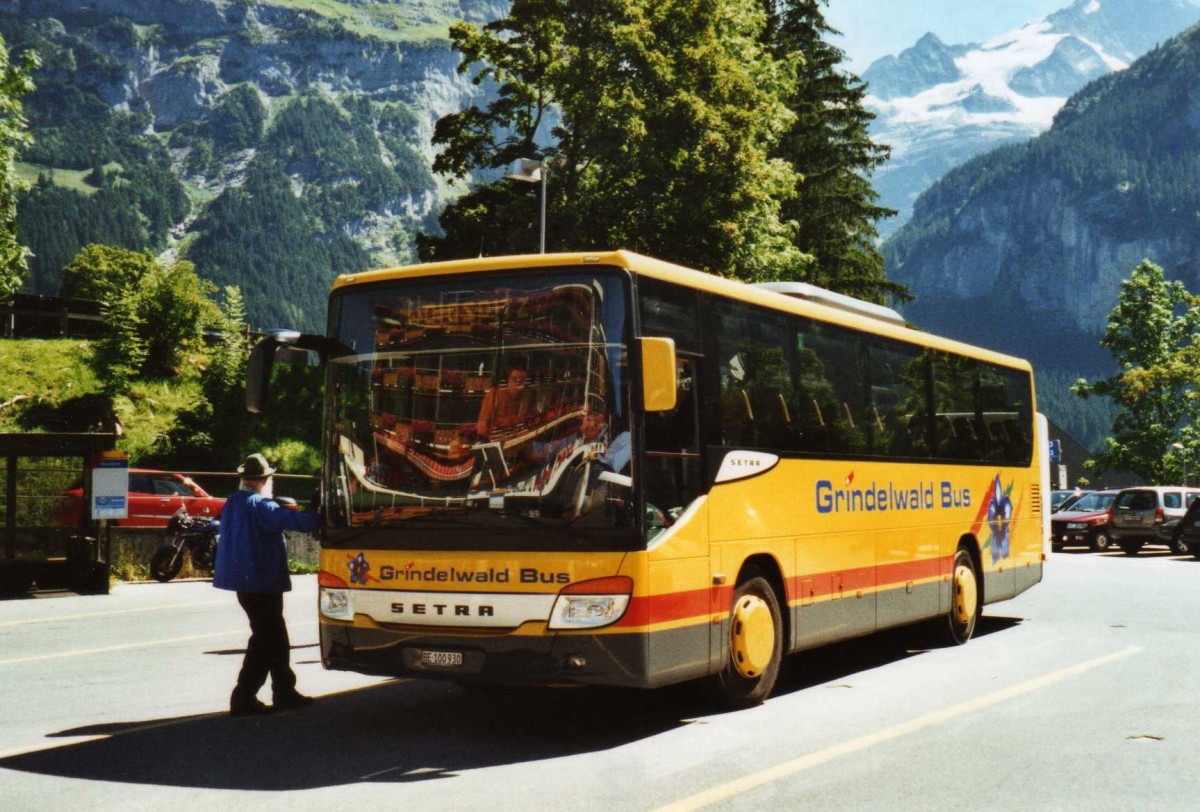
[
  {"x": 630, "y": 660},
  {"x": 830, "y": 621}
]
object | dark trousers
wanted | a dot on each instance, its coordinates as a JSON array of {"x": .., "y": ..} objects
[{"x": 269, "y": 650}]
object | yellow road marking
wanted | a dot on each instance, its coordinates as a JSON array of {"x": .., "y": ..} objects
[
  {"x": 789, "y": 768},
  {"x": 126, "y": 646}
]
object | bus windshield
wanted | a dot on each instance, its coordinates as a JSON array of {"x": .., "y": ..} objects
[{"x": 481, "y": 403}]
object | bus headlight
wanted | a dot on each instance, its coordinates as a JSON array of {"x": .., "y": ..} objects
[
  {"x": 592, "y": 604},
  {"x": 335, "y": 604}
]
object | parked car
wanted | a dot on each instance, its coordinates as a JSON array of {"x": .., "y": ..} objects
[
  {"x": 1186, "y": 533},
  {"x": 154, "y": 497},
  {"x": 1084, "y": 522},
  {"x": 1065, "y": 499},
  {"x": 1148, "y": 515}
]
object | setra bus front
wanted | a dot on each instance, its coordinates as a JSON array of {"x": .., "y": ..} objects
[{"x": 482, "y": 522}]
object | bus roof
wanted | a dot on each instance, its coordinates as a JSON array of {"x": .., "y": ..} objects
[{"x": 823, "y": 308}]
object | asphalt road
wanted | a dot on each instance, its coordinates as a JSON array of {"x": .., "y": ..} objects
[{"x": 1080, "y": 694}]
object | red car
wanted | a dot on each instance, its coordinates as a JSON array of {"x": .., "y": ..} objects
[
  {"x": 154, "y": 496},
  {"x": 1085, "y": 522}
]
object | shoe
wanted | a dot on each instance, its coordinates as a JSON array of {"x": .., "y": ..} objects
[
  {"x": 251, "y": 708},
  {"x": 291, "y": 700}
]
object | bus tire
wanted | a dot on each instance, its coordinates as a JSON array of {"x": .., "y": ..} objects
[
  {"x": 755, "y": 643},
  {"x": 966, "y": 599}
]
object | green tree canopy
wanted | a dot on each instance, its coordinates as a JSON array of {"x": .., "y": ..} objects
[
  {"x": 14, "y": 83},
  {"x": 1152, "y": 334},
  {"x": 104, "y": 272},
  {"x": 829, "y": 146},
  {"x": 679, "y": 129},
  {"x": 154, "y": 313}
]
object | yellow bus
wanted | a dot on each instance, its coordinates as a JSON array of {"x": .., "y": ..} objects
[{"x": 607, "y": 469}]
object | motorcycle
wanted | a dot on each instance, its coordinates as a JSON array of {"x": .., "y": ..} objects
[{"x": 195, "y": 534}]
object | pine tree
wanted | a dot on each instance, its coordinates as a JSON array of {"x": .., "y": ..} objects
[{"x": 830, "y": 148}]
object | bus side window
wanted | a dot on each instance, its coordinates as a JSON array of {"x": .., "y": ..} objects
[
  {"x": 899, "y": 412},
  {"x": 1003, "y": 405},
  {"x": 756, "y": 378},
  {"x": 955, "y": 380},
  {"x": 832, "y": 375},
  {"x": 672, "y": 475}
]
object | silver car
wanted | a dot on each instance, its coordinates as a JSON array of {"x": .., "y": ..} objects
[{"x": 1147, "y": 515}]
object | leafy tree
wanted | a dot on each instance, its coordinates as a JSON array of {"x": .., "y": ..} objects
[
  {"x": 14, "y": 83},
  {"x": 830, "y": 148},
  {"x": 104, "y": 272},
  {"x": 218, "y": 429},
  {"x": 663, "y": 113},
  {"x": 1152, "y": 334},
  {"x": 153, "y": 313},
  {"x": 175, "y": 305},
  {"x": 120, "y": 352},
  {"x": 718, "y": 134}
]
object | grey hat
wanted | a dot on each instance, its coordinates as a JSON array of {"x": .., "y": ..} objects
[{"x": 255, "y": 467}]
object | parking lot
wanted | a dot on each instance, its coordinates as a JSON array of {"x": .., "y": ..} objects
[{"x": 116, "y": 702}]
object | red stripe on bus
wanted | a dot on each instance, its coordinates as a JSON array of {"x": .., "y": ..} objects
[{"x": 691, "y": 604}]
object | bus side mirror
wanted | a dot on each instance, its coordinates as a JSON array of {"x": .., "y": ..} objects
[
  {"x": 296, "y": 346},
  {"x": 658, "y": 374}
]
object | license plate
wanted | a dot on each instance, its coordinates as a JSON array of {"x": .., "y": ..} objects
[{"x": 442, "y": 658}]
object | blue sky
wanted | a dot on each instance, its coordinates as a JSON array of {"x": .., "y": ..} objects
[{"x": 874, "y": 28}]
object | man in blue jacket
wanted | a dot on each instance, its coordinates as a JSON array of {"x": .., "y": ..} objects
[{"x": 252, "y": 561}]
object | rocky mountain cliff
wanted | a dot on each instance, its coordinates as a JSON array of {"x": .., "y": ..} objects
[
  {"x": 268, "y": 141},
  {"x": 1024, "y": 249},
  {"x": 938, "y": 105}
]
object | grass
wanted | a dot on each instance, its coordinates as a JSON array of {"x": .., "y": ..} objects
[
  {"x": 46, "y": 372},
  {"x": 414, "y": 21},
  {"x": 39, "y": 377},
  {"x": 66, "y": 178},
  {"x": 152, "y": 409}
]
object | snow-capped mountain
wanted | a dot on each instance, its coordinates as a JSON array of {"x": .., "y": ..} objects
[{"x": 938, "y": 105}]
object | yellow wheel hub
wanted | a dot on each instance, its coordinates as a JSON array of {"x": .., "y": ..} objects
[
  {"x": 752, "y": 638},
  {"x": 965, "y": 591}
]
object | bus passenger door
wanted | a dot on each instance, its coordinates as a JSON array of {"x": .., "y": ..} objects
[{"x": 677, "y": 533}]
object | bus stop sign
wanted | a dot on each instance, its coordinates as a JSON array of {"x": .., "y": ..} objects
[{"x": 110, "y": 485}]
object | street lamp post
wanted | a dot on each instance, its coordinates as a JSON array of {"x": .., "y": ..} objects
[
  {"x": 531, "y": 170},
  {"x": 1179, "y": 449}
]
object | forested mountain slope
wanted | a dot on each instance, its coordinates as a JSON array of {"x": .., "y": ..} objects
[
  {"x": 272, "y": 142},
  {"x": 1024, "y": 249},
  {"x": 938, "y": 104}
]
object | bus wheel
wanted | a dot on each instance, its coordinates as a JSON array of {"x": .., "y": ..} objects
[
  {"x": 964, "y": 599},
  {"x": 755, "y": 644}
]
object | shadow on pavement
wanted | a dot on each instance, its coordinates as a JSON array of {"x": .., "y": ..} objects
[
  {"x": 394, "y": 732},
  {"x": 405, "y": 731},
  {"x": 840, "y": 660}
]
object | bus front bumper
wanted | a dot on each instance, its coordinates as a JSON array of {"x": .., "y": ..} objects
[{"x": 609, "y": 659}]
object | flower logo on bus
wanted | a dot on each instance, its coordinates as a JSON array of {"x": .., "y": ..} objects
[
  {"x": 359, "y": 569},
  {"x": 999, "y": 517}
]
